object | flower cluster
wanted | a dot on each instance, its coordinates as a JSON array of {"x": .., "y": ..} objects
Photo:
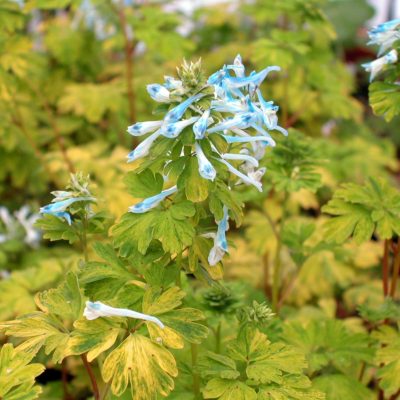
[
  {"x": 20, "y": 225},
  {"x": 227, "y": 107},
  {"x": 62, "y": 206},
  {"x": 384, "y": 35}
]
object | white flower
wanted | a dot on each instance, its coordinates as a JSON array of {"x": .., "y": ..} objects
[{"x": 97, "y": 309}]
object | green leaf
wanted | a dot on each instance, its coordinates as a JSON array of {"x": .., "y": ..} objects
[
  {"x": 340, "y": 387},
  {"x": 180, "y": 323},
  {"x": 293, "y": 163},
  {"x": 145, "y": 366},
  {"x": 170, "y": 226},
  {"x": 57, "y": 229},
  {"x": 217, "y": 365},
  {"x": 93, "y": 337},
  {"x": 65, "y": 300},
  {"x": 389, "y": 309},
  {"x": 384, "y": 98},
  {"x": 17, "y": 376},
  {"x": 223, "y": 389},
  {"x": 388, "y": 360},
  {"x": 328, "y": 342},
  {"x": 196, "y": 187},
  {"x": 144, "y": 184},
  {"x": 361, "y": 210}
]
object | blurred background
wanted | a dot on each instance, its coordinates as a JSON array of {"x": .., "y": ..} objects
[{"x": 73, "y": 76}]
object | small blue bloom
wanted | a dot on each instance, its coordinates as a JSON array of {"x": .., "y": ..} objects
[
  {"x": 151, "y": 202},
  {"x": 376, "y": 66},
  {"x": 254, "y": 79},
  {"x": 242, "y": 120},
  {"x": 200, "y": 127},
  {"x": 176, "y": 113},
  {"x": 246, "y": 179},
  {"x": 143, "y": 148},
  {"x": 267, "y": 141},
  {"x": 158, "y": 93},
  {"x": 241, "y": 157},
  {"x": 173, "y": 129},
  {"x": 220, "y": 244},
  {"x": 206, "y": 170},
  {"x": 141, "y": 128},
  {"x": 59, "y": 208},
  {"x": 172, "y": 84}
]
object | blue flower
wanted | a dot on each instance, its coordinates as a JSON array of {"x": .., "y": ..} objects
[
  {"x": 151, "y": 202},
  {"x": 220, "y": 244},
  {"x": 143, "y": 148},
  {"x": 206, "y": 170},
  {"x": 173, "y": 129},
  {"x": 141, "y": 128},
  {"x": 158, "y": 93},
  {"x": 376, "y": 66},
  {"x": 59, "y": 208},
  {"x": 176, "y": 113},
  {"x": 200, "y": 127}
]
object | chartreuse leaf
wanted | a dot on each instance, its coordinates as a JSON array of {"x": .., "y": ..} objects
[
  {"x": 17, "y": 376},
  {"x": 179, "y": 323},
  {"x": 328, "y": 342},
  {"x": 196, "y": 187},
  {"x": 340, "y": 387},
  {"x": 46, "y": 328},
  {"x": 389, "y": 309},
  {"x": 359, "y": 211},
  {"x": 144, "y": 184},
  {"x": 387, "y": 357},
  {"x": 171, "y": 226},
  {"x": 93, "y": 337},
  {"x": 255, "y": 368},
  {"x": 384, "y": 98},
  {"x": 145, "y": 366},
  {"x": 57, "y": 229}
]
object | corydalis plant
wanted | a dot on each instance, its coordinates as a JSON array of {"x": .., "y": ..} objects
[{"x": 211, "y": 138}]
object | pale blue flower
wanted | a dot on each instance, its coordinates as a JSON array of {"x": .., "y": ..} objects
[
  {"x": 200, "y": 127},
  {"x": 254, "y": 79},
  {"x": 97, "y": 309},
  {"x": 246, "y": 179},
  {"x": 220, "y": 244},
  {"x": 206, "y": 170},
  {"x": 238, "y": 67},
  {"x": 143, "y": 148},
  {"x": 243, "y": 121},
  {"x": 172, "y": 84},
  {"x": 267, "y": 141},
  {"x": 177, "y": 112},
  {"x": 385, "y": 35},
  {"x": 173, "y": 129},
  {"x": 376, "y": 66},
  {"x": 141, "y": 128},
  {"x": 27, "y": 221},
  {"x": 59, "y": 208},
  {"x": 240, "y": 157},
  {"x": 153, "y": 201},
  {"x": 158, "y": 93}
]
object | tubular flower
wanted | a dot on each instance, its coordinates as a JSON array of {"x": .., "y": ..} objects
[
  {"x": 206, "y": 170},
  {"x": 384, "y": 35},
  {"x": 220, "y": 244},
  {"x": 151, "y": 202},
  {"x": 376, "y": 66},
  {"x": 97, "y": 309}
]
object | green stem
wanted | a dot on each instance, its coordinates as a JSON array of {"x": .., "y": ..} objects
[
  {"x": 278, "y": 262},
  {"x": 84, "y": 237},
  {"x": 195, "y": 375},
  {"x": 178, "y": 281},
  {"x": 218, "y": 338}
]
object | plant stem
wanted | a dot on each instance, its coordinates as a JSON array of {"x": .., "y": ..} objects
[
  {"x": 195, "y": 375},
  {"x": 385, "y": 268},
  {"x": 278, "y": 262},
  {"x": 396, "y": 270},
  {"x": 218, "y": 338},
  {"x": 92, "y": 377},
  {"x": 178, "y": 281},
  {"x": 64, "y": 378},
  {"x": 84, "y": 238},
  {"x": 267, "y": 288}
]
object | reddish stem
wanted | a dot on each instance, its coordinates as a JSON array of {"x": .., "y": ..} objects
[
  {"x": 385, "y": 268},
  {"x": 90, "y": 372}
]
